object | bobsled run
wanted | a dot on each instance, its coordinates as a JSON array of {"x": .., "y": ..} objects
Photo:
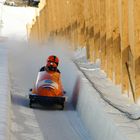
[{"x": 48, "y": 89}]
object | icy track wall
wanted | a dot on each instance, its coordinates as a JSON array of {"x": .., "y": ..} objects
[
  {"x": 91, "y": 110},
  {"x": 4, "y": 94}
]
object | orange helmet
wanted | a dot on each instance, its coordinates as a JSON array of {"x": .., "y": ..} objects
[{"x": 52, "y": 62}]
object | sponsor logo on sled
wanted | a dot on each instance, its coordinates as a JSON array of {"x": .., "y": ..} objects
[{"x": 48, "y": 84}]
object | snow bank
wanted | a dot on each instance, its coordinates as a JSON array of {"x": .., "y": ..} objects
[
  {"x": 91, "y": 109},
  {"x": 107, "y": 114},
  {"x": 14, "y": 21},
  {"x": 4, "y": 94},
  {"x": 94, "y": 111}
]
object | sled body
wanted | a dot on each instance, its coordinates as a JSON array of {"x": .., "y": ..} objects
[{"x": 48, "y": 90}]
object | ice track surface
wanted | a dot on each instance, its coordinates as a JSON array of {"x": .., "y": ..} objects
[{"x": 41, "y": 123}]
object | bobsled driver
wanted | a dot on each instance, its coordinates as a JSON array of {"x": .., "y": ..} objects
[
  {"x": 51, "y": 64},
  {"x": 48, "y": 81}
]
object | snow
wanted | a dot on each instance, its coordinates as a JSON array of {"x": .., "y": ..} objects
[
  {"x": 14, "y": 21},
  {"x": 92, "y": 112},
  {"x": 4, "y": 94},
  {"x": 120, "y": 117},
  {"x": 93, "y": 118}
]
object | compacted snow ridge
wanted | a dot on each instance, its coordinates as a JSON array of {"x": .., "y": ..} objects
[{"x": 124, "y": 113}]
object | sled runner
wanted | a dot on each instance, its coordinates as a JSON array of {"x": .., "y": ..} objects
[{"x": 46, "y": 100}]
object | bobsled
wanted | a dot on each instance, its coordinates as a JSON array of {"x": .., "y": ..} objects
[{"x": 47, "y": 90}]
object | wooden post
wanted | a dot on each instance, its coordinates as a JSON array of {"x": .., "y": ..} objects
[
  {"x": 109, "y": 39},
  {"x": 90, "y": 30},
  {"x": 123, "y": 4},
  {"x": 103, "y": 33},
  {"x": 116, "y": 44},
  {"x": 80, "y": 20},
  {"x": 87, "y": 18},
  {"x": 96, "y": 15},
  {"x": 134, "y": 66}
]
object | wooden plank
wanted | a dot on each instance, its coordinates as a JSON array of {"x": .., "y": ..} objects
[
  {"x": 91, "y": 32},
  {"x": 109, "y": 39},
  {"x": 96, "y": 18},
  {"x": 124, "y": 44},
  {"x": 136, "y": 49},
  {"x": 103, "y": 33},
  {"x": 116, "y": 45}
]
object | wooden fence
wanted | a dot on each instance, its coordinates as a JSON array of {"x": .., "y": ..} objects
[{"x": 110, "y": 30}]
